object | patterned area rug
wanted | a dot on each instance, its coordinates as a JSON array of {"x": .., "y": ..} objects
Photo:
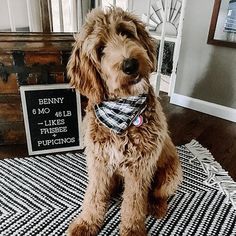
[{"x": 39, "y": 196}]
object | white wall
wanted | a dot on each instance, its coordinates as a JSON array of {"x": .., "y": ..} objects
[{"x": 205, "y": 72}]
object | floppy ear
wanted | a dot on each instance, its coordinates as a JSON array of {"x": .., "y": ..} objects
[
  {"x": 84, "y": 76},
  {"x": 150, "y": 44}
]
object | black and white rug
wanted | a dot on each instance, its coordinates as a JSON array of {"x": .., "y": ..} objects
[{"x": 39, "y": 196}]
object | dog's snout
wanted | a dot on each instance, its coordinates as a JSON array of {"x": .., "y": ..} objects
[{"x": 130, "y": 66}]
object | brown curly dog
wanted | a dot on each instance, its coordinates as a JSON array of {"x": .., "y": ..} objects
[{"x": 112, "y": 59}]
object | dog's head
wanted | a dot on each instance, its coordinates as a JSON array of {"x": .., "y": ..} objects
[{"x": 113, "y": 56}]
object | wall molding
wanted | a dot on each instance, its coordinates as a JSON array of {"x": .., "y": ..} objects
[{"x": 209, "y": 108}]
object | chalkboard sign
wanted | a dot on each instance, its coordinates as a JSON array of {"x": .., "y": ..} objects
[{"x": 52, "y": 117}]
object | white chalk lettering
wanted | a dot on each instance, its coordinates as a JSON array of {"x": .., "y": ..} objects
[
  {"x": 43, "y": 111},
  {"x": 48, "y": 101},
  {"x": 53, "y": 130},
  {"x": 54, "y": 122},
  {"x": 53, "y": 142}
]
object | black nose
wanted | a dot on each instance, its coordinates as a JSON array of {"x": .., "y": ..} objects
[{"x": 130, "y": 66}]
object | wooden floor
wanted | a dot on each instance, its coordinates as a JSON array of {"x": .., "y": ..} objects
[{"x": 218, "y": 135}]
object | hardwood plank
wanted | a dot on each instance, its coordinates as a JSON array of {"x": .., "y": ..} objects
[
  {"x": 6, "y": 59},
  {"x": 10, "y": 98},
  {"x": 10, "y": 112},
  {"x": 18, "y": 150},
  {"x": 10, "y": 86},
  {"x": 42, "y": 58},
  {"x": 12, "y": 133},
  {"x": 215, "y": 134},
  {"x": 10, "y": 108}
]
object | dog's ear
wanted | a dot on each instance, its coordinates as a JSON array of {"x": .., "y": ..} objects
[
  {"x": 149, "y": 43},
  {"x": 84, "y": 76}
]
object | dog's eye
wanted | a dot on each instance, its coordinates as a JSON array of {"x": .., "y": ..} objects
[
  {"x": 100, "y": 50},
  {"x": 127, "y": 33}
]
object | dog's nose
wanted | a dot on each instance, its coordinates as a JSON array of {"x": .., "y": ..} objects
[{"x": 130, "y": 66}]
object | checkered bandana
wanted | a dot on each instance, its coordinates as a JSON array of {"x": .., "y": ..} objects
[{"x": 119, "y": 115}]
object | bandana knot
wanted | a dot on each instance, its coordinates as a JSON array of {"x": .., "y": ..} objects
[{"x": 120, "y": 114}]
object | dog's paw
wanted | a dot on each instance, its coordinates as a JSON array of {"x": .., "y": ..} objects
[
  {"x": 80, "y": 227},
  {"x": 133, "y": 232}
]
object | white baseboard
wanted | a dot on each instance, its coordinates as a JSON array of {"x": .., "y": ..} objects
[{"x": 213, "y": 109}]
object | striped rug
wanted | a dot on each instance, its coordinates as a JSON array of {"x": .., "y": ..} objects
[{"x": 39, "y": 196}]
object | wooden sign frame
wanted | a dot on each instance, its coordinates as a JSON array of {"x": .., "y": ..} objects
[{"x": 52, "y": 124}]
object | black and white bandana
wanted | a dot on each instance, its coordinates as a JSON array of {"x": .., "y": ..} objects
[{"x": 120, "y": 114}]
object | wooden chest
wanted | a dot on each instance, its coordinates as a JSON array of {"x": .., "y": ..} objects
[{"x": 22, "y": 64}]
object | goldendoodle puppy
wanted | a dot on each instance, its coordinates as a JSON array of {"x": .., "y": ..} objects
[{"x": 126, "y": 134}]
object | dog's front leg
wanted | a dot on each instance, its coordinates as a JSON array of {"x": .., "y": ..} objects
[
  {"x": 134, "y": 205},
  {"x": 95, "y": 202}
]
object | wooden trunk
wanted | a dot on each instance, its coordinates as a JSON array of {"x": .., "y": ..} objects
[{"x": 22, "y": 67}]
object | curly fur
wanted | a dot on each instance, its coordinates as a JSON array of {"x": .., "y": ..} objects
[{"x": 143, "y": 158}]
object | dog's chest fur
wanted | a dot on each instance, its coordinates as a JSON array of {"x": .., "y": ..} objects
[{"x": 121, "y": 151}]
